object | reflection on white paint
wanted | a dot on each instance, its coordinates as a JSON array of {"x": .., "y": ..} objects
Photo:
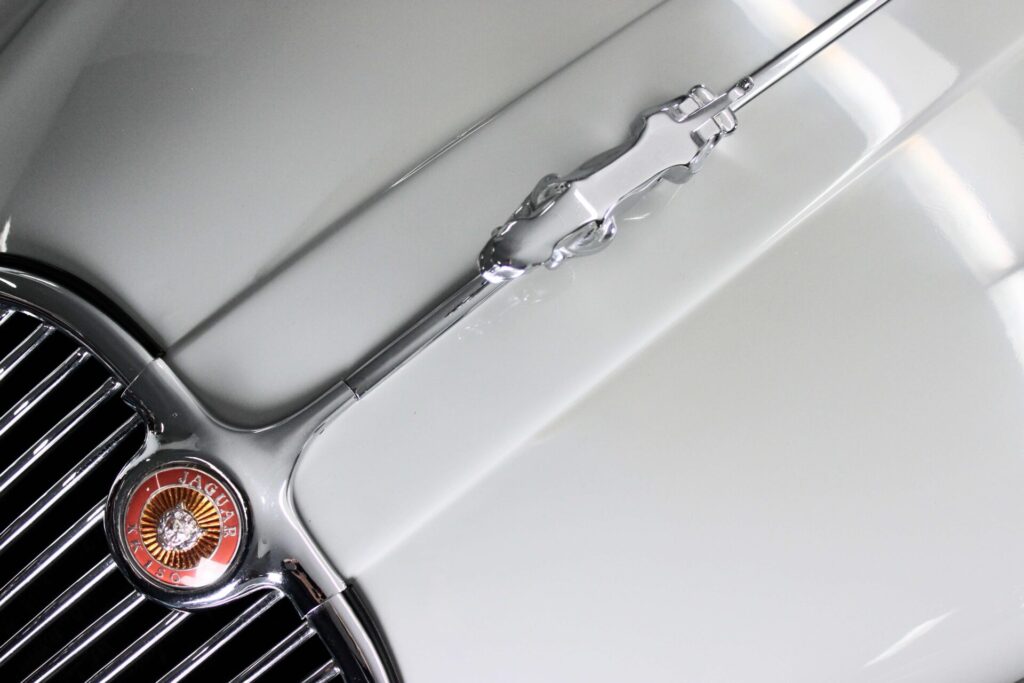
[
  {"x": 852, "y": 84},
  {"x": 4, "y": 232},
  {"x": 957, "y": 208},
  {"x": 911, "y": 635},
  {"x": 965, "y": 220},
  {"x": 945, "y": 171},
  {"x": 1007, "y": 296}
]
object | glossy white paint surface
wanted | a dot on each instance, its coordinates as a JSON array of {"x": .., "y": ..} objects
[
  {"x": 189, "y": 149},
  {"x": 772, "y": 433},
  {"x": 389, "y": 263}
]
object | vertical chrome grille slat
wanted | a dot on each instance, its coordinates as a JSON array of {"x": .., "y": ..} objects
[
  {"x": 221, "y": 638},
  {"x": 139, "y": 647},
  {"x": 24, "y": 349},
  {"x": 51, "y": 553},
  {"x": 301, "y": 634},
  {"x": 42, "y": 389},
  {"x": 5, "y": 315},
  {"x": 52, "y": 666},
  {"x": 327, "y": 672},
  {"x": 60, "y": 604},
  {"x": 66, "y": 483},
  {"x": 52, "y": 437}
]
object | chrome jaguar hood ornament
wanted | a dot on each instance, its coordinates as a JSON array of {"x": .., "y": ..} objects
[
  {"x": 574, "y": 214},
  {"x": 668, "y": 142}
]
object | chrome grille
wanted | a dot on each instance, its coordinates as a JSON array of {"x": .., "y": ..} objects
[{"x": 66, "y": 612}]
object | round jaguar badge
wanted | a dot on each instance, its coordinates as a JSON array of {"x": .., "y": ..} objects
[{"x": 182, "y": 527}]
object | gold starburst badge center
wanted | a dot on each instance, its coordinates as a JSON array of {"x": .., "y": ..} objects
[{"x": 180, "y": 526}]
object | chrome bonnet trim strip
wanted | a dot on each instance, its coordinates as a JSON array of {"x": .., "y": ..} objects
[{"x": 814, "y": 42}]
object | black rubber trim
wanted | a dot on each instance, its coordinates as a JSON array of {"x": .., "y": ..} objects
[{"x": 83, "y": 289}]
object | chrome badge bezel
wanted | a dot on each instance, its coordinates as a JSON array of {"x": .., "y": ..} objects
[{"x": 135, "y": 492}]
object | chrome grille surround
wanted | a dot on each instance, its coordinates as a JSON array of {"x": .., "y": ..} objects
[{"x": 165, "y": 424}]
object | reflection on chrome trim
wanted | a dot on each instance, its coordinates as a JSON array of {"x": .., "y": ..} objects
[{"x": 23, "y": 350}]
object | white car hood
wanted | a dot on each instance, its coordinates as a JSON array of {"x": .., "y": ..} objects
[
  {"x": 772, "y": 433},
  {"x": 237, "y": 178}
]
